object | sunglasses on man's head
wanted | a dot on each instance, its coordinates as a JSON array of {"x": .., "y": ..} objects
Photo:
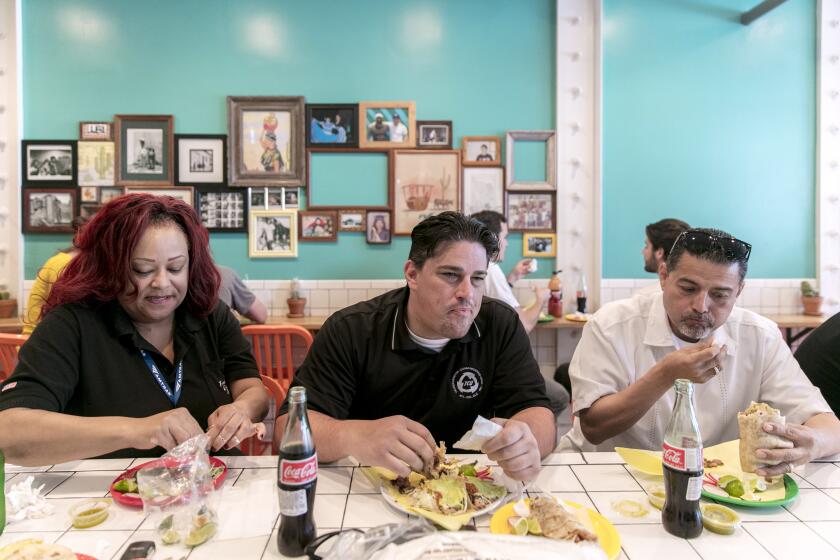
[{"x": 700, "y": 241}]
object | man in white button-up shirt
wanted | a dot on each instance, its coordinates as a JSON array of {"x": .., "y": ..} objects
[{"x": 633, "y": 350}]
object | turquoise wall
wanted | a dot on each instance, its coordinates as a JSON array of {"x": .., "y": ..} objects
[
  {"x": 488, "y": 65},
  {"x": 713, "y": 122}
]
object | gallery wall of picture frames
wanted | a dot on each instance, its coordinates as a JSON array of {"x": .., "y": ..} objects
[{"x": 253, "y": 178}]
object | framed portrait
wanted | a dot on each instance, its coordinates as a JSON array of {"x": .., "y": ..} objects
[
  {"x": 423, "y": 183},
  {"x": 222, "y": 209},
  {"x": 48, "y": 210},
  {"x": 89, "y": 130},
  {"x": 539, "y": 245},
  {"x": 88, "y": 211},
  {"x": 481, "y": 150},
  {"x": 484, "y": 189},
  {"x": 351, "y": 219},
  {"x": 272, "y": 233},
  {"x": 332, "y": 125},
  {"x": 201, "y": 159},
  {"x": 318, "y": 225},
  {"x": 180, "y": 192},
  {"x": 95, "y": 163},
  {"x": 387, "y": 124},
  {"x": 266, "y": 141},
  {"x": 48, "y": 162},
  {"x": 530, "y": 211},
  {"x": 378, "y": 227},
  {"x": 434, "y": 134},
  {"x": 546, "y": 136},
  {"x": 106, "y": 194},
  {"x": 88, "y": 194},
  {"x": 144, "y": 148},
  {"x": 291, "y": 197}
]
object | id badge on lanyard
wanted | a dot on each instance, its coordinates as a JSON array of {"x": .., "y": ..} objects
[{"x": 173, "y": 394}]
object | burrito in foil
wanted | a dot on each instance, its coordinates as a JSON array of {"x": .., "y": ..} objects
[{"x": 754, "y": 437}]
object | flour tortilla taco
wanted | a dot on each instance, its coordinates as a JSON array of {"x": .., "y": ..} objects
[{"x": 753, "y": 436}]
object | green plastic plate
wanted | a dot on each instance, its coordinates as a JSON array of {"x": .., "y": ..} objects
[{"x": 791, "y": 492}]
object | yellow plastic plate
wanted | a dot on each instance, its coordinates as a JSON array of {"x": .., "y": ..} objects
[
  {"x": 648, "y": 462},
  {"x": 608, "y": 538}
]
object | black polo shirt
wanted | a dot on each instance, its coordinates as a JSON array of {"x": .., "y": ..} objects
[
  {"x": 364, "y": 365},
  {"x": 85, "y": 361}
]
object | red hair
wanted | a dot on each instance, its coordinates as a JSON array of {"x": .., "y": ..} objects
[{"x": 102, "y": 270}]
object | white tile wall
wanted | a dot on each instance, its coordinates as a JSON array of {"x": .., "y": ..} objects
[{"x": 324, "y": 297}]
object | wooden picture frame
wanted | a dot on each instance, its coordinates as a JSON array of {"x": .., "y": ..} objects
[
  {"x": 272, "y": 234},
  {"x": 201, "y": 159},
  {"x": 379, "y": 119},
  {"x": 222, "y": 209},
  {"x": 49, "y": 163},
  {"x": 423, "y": 183},
  {"x": 434, "y": 135},
  {"x": 95, "y": 163},
  {"x": 312, "y": 203},
  {"x": 483, "y": 188},
  {"x": 106, "y": 194},
  {"x": 525, "y": 211},
  {"x": 88, "y": 211},
  {"x": 88, "y": 194},
  {"x": 144, "y": 149},
  {"x": 539, "y": 245},
  {"x": 49, "y": 210},
  {"x": 481, "y": 151},
  {"x": 352, "y": 219},
  {"x": 318, "y": 225},
  {"x": 378, "y": 229},
  {"x": 332, "y": 125},
  {"x": 92, "y": 131},
  {"x": 550, "y": 139},
  {"x": 266, "y": 141},
  {"x": 181, "y": 192}
]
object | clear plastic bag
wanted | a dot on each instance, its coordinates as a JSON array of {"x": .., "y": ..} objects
[
  {"x": 357, "y": 545},
  {"x": 177, "y": 494}
]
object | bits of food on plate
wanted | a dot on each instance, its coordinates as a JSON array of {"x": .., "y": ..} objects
[
  {"x": 712, "y": 463},
  {"x": 27, "y": 549}
]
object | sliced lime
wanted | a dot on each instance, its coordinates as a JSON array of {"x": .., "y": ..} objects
[
  {"x": 734, "y": 488},
  {"x": 726, "y": 479},
  {"x": 656, "y": 497},
  {"x": 519, "y": 525},
  {"x": 201, "y": 535},
  {"x": 170, "y": 536},
  {"x": 534, "y": 526}
]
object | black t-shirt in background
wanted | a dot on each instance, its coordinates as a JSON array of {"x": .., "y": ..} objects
[{"x": 819, "y": 358}]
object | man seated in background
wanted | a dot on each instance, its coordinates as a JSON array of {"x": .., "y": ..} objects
[
  {"x": 819, "y": 357},
  {"x": 389, "y": 377},
  {"x": 499, "y": 287},
  {"x": 632, "y": 351},
  {"x": 238, "y": 297},
  {"x": 659, "y": 238}
]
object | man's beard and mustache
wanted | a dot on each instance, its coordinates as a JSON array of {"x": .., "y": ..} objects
[
  {"x": 456, "y": 326},
  {"x": 651, "y": 265},
  {"x": 696, "y": 331}
]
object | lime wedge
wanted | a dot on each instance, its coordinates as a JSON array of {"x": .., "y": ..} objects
[
  {"x": 534, "y": 526},
  {"x": 170, "y": 536},
  {"x": 726, "y": 479},
  {"x": 656, "y": 497},
  {"x": 201, "y": 535},
  {"x": 719, "y": 519},
  {"x": 734, "y": 488},
  {"x": 519, "y": 525}
]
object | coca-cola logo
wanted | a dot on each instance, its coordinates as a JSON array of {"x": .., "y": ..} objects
[
  {"x": 298, "y": 473},
  {"x": 674, "y": 457}
]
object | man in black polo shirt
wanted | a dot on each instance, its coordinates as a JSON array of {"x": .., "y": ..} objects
[{"x": 388, "y": 377}]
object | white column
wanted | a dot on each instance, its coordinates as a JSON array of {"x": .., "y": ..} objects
[
  {"x": 828, "y": 159},
  {"x": 11, "y": 240}
]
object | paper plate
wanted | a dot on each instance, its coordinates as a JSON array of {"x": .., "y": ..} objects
[
  {"x": 648, "y": 462},
  {"x": 577, "y": 317},
  {"x": 608, "y": 538},
  {"x": 133, "y": 500}
]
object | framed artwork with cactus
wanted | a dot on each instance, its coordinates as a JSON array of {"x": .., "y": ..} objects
[
  {"x": 423, "y": 183},
  {"x": 96, "y": 163}
]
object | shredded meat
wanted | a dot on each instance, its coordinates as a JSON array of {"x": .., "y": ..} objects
[
  {"x": 401, "y": 483},
  {"x": 712, "y": 463},
  {"x": 557, "y": 523}
]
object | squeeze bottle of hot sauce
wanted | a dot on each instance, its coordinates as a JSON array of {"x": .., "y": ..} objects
[{"x": 555, "y": 300}]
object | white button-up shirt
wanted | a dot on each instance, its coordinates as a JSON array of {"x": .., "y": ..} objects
[
  {"x": 624, "y": 340},
  {"x": 496, "y": 286}
]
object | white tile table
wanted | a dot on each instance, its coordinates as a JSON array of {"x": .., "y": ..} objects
[{"x": 809, "y": 527}]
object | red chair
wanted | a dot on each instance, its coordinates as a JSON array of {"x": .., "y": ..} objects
[
  {"x": 9, "y": 346},
  {"x": 277, "y": 394},
  {"x": 278, "y": 349}
]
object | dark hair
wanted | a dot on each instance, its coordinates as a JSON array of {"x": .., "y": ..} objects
[
  {"x": 492, "y": 219},
  {"x": 101, "y": 272},
  {"x": 713, "y": 251},
  {"x": 432, "y": 235},
  {"x": 663, "y": 233}
]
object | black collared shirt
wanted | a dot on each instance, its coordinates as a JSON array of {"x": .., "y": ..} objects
[
  {"x": 85, "y": 361},
  {"x": 364, "y": 365}
]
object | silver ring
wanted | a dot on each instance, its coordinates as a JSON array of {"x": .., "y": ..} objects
[
  {"x": 717, "y": 369},
  {"x": 235, "y": 441}
]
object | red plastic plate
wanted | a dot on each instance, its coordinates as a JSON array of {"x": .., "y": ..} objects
[{"x": 135, "y": 501}]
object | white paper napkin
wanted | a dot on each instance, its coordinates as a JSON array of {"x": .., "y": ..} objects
[{"x": 482, "y": 431}]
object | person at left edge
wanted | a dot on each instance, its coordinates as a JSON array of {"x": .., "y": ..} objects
[
  {"x": 135, "y": 353},
  {"x": 387, "y": 378}
]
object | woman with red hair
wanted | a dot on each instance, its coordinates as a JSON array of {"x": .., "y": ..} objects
[{"x": 134, "y": 351}]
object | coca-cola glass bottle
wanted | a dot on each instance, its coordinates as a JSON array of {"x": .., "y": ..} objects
[
  {"x": 682, "y": 465},
  {"x": 297, "y": 475}
]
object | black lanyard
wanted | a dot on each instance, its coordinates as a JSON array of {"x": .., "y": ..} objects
[{"x": 179, "y": 377}]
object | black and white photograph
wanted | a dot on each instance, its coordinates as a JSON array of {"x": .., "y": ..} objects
[
  {"x": 48, "y": 210},
  {"x": 291, "y": 197},
  {"x": 144, "y": 151},
  {"x": 351, "y": 219},
  {"x": 106, "y": 194},
  {"x": 332, "y": 125},
  {"x": 48, "y": 162},
  {"x": 200, "y": 159},
  {"x": 539, "y": 245},
  {"x": 257, "y": 198},
  {"x": 222, "y": 210},
  {"x": 272, "y": 233},
  {"x": 434, "y": 134},
  {"x": 274, "y": 198}
]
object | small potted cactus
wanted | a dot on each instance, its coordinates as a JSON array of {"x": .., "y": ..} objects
[
  {"x": 811, "y": 299},
  {"x": 8, "y": 305},
  {"x": 295, "y": 302}
]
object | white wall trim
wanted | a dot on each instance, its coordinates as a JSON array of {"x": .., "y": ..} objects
[{"x": 827, "y": 199}]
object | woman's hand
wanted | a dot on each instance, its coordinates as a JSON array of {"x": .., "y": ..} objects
[
  {"x": 228, "y": 426},
  {"x": 166, "y": 429}
]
